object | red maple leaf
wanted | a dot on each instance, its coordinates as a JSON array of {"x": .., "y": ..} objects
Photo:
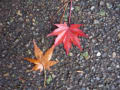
[{"x": 68, "y": 35}]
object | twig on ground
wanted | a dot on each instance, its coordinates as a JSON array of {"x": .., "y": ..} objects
[{"x": 52, "y": 18}]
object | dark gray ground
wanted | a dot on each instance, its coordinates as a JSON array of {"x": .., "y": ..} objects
[{"x": 21, "y": 21}]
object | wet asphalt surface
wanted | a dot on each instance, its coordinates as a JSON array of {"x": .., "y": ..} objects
[{"x": 97, "y": 67}]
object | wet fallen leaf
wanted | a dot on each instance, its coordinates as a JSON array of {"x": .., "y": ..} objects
[
  {"x": 68, "y": 35},
  {"x": 42, "y": 61}
]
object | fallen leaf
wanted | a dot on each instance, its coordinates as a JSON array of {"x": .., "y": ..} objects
[
  {"x": 68, "y": 35},
  {"x": 42, "y": 61}
]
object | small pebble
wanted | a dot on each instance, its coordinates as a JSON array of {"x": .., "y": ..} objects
[
  {"x": 117, "y": 66},
  {"x": 34, "y": 24},
  {"x": 98, "y": 54},
  {"x": 13, "y": 75},
  {"x": 93, "y": 40},
  {"x": 101, "y": 3},
  {"x": 28, "y": 71},
  {"x": 104, "y": 55},
  {"x": 77, "y": 8},
  {"x": 33, "y": 28},
  {"x": 102, "y": 13},
  {"x": 100, "y": 85},
  {"x": 114, "y": 54},
  {"x": 96, "y": 22},
  {"x": 6, "y": 75},
  {"x": 33, "y": 20},
  {"x": 92, "y": 8},
  {"x": 42, "y": 40},
  {"x": 1, "y": 24},
  {"x": 72, "y": 8},
  {"x": 27, "y": 20},
  {"x": 29, "y": 52},
  {"x": 19, "y": 13},
  {"x": 70, "y": 54},
  {"x": 53, "y": 75},
  {"x": 109, "y": 5},
  {"x": 10, "y": 66},
  {"x": 21, "y": 19},
  {"x": 119, "y": 36},
  {"x": 31, "y": 15},
  {"x": 97, "y": 78}
]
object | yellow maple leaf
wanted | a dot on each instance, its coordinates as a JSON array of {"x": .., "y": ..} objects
[{"x": 42, "y": 61}]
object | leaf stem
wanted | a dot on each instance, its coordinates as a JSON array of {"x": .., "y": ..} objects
[
  {"x": 70, "y": 11},
  {"x": 44, "y": 78}
]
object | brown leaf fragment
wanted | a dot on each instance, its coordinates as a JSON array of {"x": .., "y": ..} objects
[
  {"x": 80, "y": 71},
  {"x": 42, "y": 61}
]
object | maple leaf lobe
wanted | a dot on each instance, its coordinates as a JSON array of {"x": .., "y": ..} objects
[{"x": 38, "y": 53}]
